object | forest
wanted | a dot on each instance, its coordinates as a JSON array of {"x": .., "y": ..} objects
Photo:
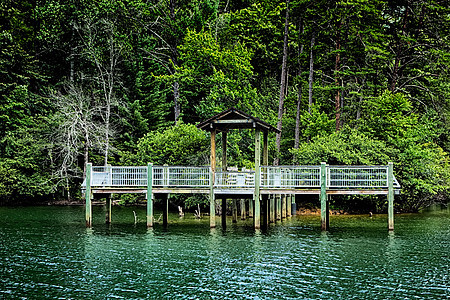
[{"x": 356, "y": 82}]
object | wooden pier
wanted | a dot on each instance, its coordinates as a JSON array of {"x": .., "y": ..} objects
[
  {"x": 277, "y": 185},
  {"x": 269, "y": 189}
]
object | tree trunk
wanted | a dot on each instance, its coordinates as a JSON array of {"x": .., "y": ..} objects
[
  {"x": 174, "y": 59},
  {"x": 311, "y": 71},
  {"x": 395, "y": 71},
  {"x": 176, "y": 98},
  {"x": 299, "y": 98},
  {"x": 337, "y": 97},
  {"x": 282, "y": 86}
]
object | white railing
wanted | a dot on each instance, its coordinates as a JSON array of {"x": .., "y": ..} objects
[
  {"x": 234, "y": 179},
  {"x": 290, "y": 177},
  {"x": 364, "y": 177},
  {"x": 119, "y": 176},
  {"x": 337, "y": 177},
  {"x": 181, "y": 176}
]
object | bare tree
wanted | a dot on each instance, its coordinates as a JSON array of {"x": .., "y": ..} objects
[
  {"x": 76, "y": 131},
  {"x": 101, "y": 47}
]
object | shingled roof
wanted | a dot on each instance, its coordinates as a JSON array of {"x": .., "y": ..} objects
[{"x": 234, "y": 118}]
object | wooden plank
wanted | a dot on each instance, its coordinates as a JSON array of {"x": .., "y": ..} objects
[
  {"x": 236, "y": 121},
  {"x": 233, "y": 191},
  {"x": 289, "y": 191},
  {"x": 357, "y": 192},
  {"x": 181, "y": 191}
]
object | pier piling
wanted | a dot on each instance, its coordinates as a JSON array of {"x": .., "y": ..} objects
[
  {"x": 88, "y": 195},
  {"x": 149, "y": 195}
]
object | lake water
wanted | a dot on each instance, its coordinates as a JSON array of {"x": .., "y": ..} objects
[{"x": 46, "y": 252}]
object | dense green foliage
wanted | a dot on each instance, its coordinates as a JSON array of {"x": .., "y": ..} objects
[{"x": 125, "y": 82}]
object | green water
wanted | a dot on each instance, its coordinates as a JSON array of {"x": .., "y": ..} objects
[{"x": 46, "y": 252}]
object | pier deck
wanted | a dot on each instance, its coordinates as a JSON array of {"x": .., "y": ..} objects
[{"x": 319, "y": 180}]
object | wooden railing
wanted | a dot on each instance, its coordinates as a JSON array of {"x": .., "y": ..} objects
[{"x": 273, "y": 177}]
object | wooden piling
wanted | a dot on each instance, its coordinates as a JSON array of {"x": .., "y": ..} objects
[
  {"x": 294, "y": 206},
  {"x": 289, "y": 206},
  {"x": 88, "y": 195},
  {"x": 278, "y": 207},
  {"x": 234, "y": 211},
  {"x": 265, "y": 210},
  {"x": 272, "y": 208},
  {"x": 250, "y": 208},
  {"x": 108, "y": 209},
  {"x": 390, "y": 196},
  {"x": 283, "y": 206},
  {"x": 224, "y": 213},
  {"x": 256, "y": 196},
  {"x": 243, "y": 211},
  {"x": 323, "y": 197},
  {"x": 165, "y": 199},
  {"x": 149, "y": 195}
]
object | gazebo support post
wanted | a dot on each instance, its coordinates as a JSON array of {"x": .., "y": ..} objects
[
  {"x": 212, "y": 198},
  {"x": 256, "y": 195}
]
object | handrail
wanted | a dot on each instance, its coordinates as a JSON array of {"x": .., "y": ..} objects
[
  {"x": 273, "y": 177},
  {"x": 235, "y": 179},
  {"x": 364, "y": 177}
]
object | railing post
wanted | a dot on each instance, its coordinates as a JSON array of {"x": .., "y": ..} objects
[
  {"x": 390, "y": 196},
  {"x": 109, "y": 170},
  {"x": 166, "y": 175},
  {"x": 149, "y": 195},
  {"x": 88, "y": 195},
  {"x": 323, "y": 197}
]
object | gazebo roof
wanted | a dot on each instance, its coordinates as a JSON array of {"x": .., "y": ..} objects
[{"x": 233, "y": 118}]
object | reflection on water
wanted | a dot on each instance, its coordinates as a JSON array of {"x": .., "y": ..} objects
[{"x": 48, "y": 253}]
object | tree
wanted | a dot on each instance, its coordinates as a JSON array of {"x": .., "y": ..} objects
[
  {"x": 282, "y": 84},
  {"x": 213, "y": 77},
  {"x": 105, "y": 48},
  {"x": 77, "y": 130}
]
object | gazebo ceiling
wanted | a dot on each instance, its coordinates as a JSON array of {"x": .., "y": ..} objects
[{"x": 233, "y": 118}]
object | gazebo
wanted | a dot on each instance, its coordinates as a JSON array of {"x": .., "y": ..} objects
[{"x": 223, "y": 122}]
